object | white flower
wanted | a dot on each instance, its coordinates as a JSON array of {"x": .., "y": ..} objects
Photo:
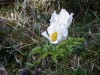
[{"x": 58, "y": 29}]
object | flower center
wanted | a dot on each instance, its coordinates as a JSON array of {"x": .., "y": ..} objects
[{"x": 54, "y": 36}]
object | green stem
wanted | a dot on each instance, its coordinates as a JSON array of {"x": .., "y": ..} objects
[{"x": 65, "y": 65}]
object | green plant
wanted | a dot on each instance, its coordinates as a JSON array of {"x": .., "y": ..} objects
[{"x": 56, "y": 53}]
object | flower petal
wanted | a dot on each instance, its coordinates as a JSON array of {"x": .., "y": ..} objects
[
  {"x": 54, "y": 17},
  {"x": 63, "y": 32},
  {"x": 55, "y": 42},
  {"x": 52, "y": 28},
  {"x": 63, "y": 17},
  {"x": 69, "y": 21},
  {"x": 45, "y": 35}
]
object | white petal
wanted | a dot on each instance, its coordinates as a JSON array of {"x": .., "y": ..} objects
[
  {"x": 54, "y": 17},
  {"x": 62, "y": 35},
  {"x": 55, "y": 42},
  {"x": 63, "y": 30},
  {"x": 52, "y": 28},
  {"x": 69, "y": 21},
  {"x": 45, "y": 35},
  {"x": 63, "y": 17}
]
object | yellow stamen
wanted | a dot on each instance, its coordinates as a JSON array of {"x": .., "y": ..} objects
[{"x": 54, "y": 36}]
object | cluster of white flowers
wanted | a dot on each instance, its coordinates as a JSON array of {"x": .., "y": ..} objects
[{"x": 58, "y": 29}]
